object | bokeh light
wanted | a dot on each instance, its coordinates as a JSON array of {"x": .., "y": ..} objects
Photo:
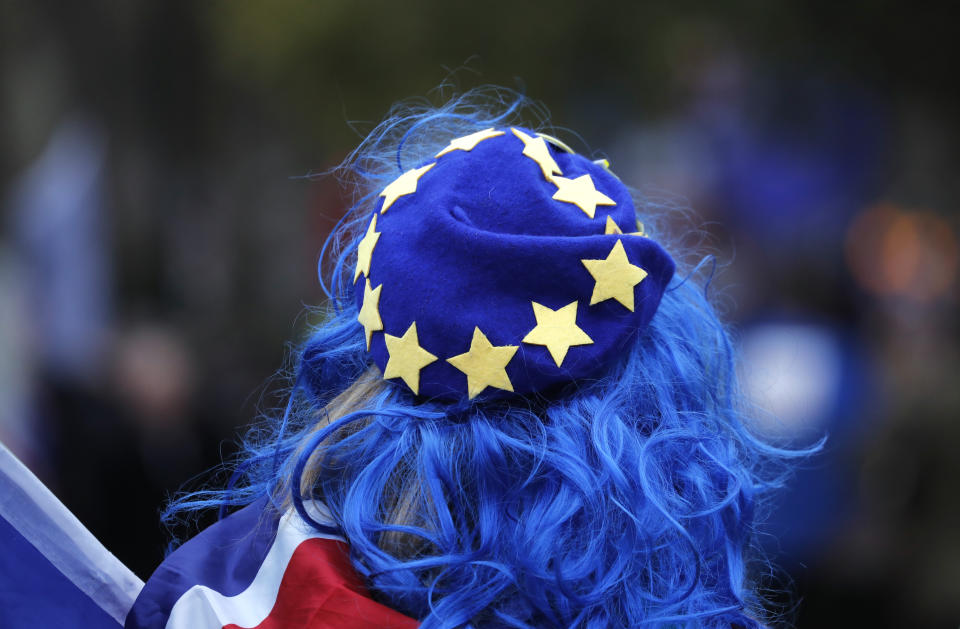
[{"x": 909, "y": 254}]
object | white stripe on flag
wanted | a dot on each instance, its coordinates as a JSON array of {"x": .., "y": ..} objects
[
  {"x": 56, "y": 533},
  {"x": 203, "y": 608}
]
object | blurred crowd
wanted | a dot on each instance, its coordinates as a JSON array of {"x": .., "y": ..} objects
[{"x": 160, "y": 236}]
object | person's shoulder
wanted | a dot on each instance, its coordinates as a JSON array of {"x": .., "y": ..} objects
[
  {"x": 224, "y": 557},
  {"x": 257, "y": 568}
]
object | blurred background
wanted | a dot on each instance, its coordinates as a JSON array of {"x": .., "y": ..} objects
[{"x": 159, "y": 240}]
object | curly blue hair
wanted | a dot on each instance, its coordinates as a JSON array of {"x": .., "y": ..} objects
[{"x": 623, "y": 501}]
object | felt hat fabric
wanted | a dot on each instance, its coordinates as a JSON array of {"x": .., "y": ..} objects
[{"x": 504, "y": 265}]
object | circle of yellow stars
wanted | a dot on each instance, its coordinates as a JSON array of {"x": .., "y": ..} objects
[{"x": 484, "y": 364}]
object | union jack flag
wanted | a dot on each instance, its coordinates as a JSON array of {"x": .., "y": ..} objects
[{"x": 253, "y": 570}]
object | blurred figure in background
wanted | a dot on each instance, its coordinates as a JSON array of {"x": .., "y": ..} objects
[
  {"x": 103, "y": 413},
  {"x": 58, "y": 226}
]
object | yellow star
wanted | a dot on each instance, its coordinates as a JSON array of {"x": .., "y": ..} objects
[
  {"x": 557, "y": 330},
  {"x": 582, "y": 193},
  {"x": 369, "y": 316},
  {"x": 365, "y": 249},
  {"x": 407, "y": 358},
  {"x": 537, "y": 150},
  {"x": 615, "y": 277},
  {"x": 484, "y": 364},
  {"x": 468, "y": 142},
  {"x": 404, "y": 184},
  {"x": 611, "y": 227},
  {"x": 639, "y": 231}
]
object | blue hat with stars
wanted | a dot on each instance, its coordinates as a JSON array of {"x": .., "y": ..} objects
[{"x": 504, "y": 265}]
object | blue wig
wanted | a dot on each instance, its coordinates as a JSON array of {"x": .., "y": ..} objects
[{"x": 624, "y": 500}]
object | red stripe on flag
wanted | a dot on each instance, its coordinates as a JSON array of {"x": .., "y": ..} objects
[{"x": 321, "y": 590}]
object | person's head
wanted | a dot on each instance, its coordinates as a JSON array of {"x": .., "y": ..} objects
[{"x": 559, "y": 440}]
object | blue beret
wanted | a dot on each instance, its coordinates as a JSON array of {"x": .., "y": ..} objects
[{"x": 504, "y": 265}]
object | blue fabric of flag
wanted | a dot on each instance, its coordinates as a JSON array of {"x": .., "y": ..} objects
[
  {"x": 53, "y": 571},
  {"x": 34, "y": 593}
]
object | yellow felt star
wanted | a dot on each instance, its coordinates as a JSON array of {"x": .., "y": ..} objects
[
  {"x": 467, "y": 142},
  {"x": 365, "y": 249},
  {"x": 536, "y": 149},
  {"x": 615, "y": 277},
  {"x": 557, "y": 330},
  {"x": 369, "y": 316},
  {"x": 582, "y": 193},
  {"x": 611, "y": 227},
  {"x": 407, "y": 358},
  {"x": 484, "y": 364},
  {"x": 404, "y": 184}
]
